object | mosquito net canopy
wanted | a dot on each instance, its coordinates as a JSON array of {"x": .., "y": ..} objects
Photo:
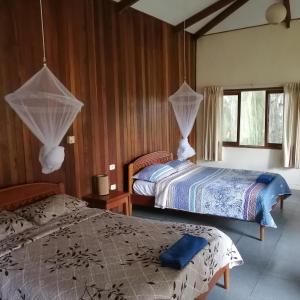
[
  {"x": 48, "y": 109},
  {"x": 185, "y": 103}
]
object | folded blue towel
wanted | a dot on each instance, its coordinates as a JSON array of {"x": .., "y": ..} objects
[
  {"x": 265, "y": 178},
  {"x": 181, "y": 253}
]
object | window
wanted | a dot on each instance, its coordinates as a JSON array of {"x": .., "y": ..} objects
[
  {"x": 252, "y": 121},
  {"x": 253, "y": 118},
  {"x": 230, "y": 115}
]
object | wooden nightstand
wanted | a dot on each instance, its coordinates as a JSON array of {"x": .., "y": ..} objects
[{"x": 114, "y": 199}]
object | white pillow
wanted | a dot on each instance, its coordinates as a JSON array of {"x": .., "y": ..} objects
[
  {"x": 155, "y": 172},
  {"x": 144, "y": 188},
  {"x": 180, "y": 165}
]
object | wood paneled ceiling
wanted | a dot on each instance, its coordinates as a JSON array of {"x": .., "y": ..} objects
[{"x": 210, "y": 16}]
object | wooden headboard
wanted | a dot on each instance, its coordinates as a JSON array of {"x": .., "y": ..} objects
[
  {"x": 141, "y": 162},
  {"x": 16, "y": 196}
]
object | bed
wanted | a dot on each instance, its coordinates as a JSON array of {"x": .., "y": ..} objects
[
  {"x": 91, "y": 254},
  {"x": 214, "y": 191}
]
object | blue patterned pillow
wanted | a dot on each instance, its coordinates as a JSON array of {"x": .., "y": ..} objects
[
  {"x": 155, "y": 172},
  {"x": 179, "y": 165}
]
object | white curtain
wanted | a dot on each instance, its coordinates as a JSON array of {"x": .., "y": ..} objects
[
  {"x": 185, "y": 104},
  {"x": 48, "y": 109},
  {"x": 209, "y": 125},
  {"x": 291, "y": 131}
]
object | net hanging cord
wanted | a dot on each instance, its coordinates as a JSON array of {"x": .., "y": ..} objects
[
  {"x": 184, "y": 62},
  {"x": 43, "y": 34}
]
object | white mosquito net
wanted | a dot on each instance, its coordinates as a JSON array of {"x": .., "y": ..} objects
[
  {"x": 48, "y": 109},
  {"x": 185, "y": 103}
]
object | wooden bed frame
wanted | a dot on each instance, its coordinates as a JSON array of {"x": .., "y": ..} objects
[
  {"x": 163, "y": 157},
  {"x": 225, "y": 272},
  {"x": 16, "y": 196}
]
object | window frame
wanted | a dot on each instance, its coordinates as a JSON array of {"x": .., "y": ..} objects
[{"x": 238, "y": 92}]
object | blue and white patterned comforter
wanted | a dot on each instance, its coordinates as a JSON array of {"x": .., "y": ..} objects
[{"x": 223, "y": 192}]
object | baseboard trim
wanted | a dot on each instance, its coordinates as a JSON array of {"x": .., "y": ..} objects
[{"x": 295, "y": 187}]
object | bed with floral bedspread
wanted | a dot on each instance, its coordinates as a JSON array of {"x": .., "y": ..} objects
[
  {"x": 95, "y": 254},
  {"x": 222, "y": 192}
]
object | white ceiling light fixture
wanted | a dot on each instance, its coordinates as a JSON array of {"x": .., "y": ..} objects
[{"x": 276, "y": 13}]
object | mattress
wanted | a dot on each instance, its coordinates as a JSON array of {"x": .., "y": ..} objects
[
  {"x": 93, "y": 254},
  {"x": 231, "y": 193},
  {"x": 144, "y": 188}
]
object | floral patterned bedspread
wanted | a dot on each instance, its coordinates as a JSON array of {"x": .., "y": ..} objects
[
  {"x": 229, "y": 193},
  {"x": 95, "y": 254}
]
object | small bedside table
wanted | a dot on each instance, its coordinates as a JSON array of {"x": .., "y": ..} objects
[{"x": 114, "y": 199}]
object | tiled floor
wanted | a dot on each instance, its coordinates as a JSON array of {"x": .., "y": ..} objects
[{"x": 272, "y": 268}]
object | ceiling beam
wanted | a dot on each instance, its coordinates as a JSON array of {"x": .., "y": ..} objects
[
  {"x": 219, "y": 18},
  {"x": 203, "y": 14},
  {"x": 288, "y": 13},
  {"x": 124, "y": 4}
]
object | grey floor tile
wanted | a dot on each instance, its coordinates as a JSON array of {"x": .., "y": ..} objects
[
  {"x": 257, "y": 253},
  {"x": 285, "y": 267},
  {"x": 218, "y": 294},
  {"x": 288, "y": 245},
  {"x": 274, "y": 288},
  {"x": 255, "y": 298},
  {"x": 235, "y": 237},
  {"x": 242, "y": 283}
]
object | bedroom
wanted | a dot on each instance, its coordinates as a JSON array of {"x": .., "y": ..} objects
[{"x": 123, "y": 65}]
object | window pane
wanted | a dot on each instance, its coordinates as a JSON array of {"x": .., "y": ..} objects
[
  {"x": 252, "y": 123},
  {"x": 230, "y": 116},
  {"x": 275, "y": 118}
]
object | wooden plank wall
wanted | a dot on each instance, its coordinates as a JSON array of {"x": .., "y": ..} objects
[{"x": 122, "y": 66}]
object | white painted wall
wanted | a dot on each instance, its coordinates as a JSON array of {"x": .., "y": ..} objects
[
  {"x": 261, "y": 56},
  {"x": 257, "y": 57},
  {"x": 256, "y": 159}
]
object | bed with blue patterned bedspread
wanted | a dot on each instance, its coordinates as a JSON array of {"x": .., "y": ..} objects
[{"x": 223, "y": 192}]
